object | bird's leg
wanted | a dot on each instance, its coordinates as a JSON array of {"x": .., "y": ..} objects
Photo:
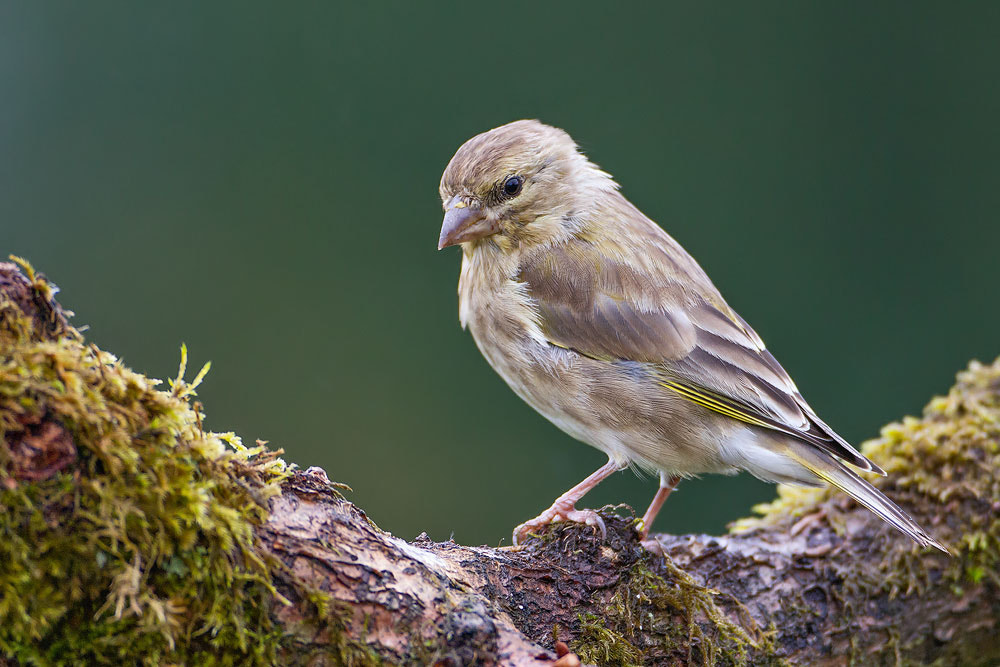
[
  {"x": 564, "y": 508},
  {"x": 667, "y": 485}
]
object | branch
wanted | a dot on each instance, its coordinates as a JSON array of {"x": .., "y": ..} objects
[{"x": 128, "y": 534}]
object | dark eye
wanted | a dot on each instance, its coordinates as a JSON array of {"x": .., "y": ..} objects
[{"x": 512, "y": 186}]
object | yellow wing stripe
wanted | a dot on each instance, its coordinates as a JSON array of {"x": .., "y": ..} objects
[{"x": 707, "y": 400}]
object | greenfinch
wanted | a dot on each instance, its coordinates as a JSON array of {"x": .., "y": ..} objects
[{"x": 604, "y": 324}]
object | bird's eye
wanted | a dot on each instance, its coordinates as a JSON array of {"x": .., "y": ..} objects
[{"x": 512, "y": 186}]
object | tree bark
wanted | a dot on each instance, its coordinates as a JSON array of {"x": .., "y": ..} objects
[{"x": 814, "y": 580}]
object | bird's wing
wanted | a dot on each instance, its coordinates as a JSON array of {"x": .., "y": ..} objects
[{"x": 598, "y": 304}]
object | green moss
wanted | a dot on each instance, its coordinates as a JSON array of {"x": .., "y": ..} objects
[
  {"x": 599, "y": 645},
  {"x": 679, "y": 615},
  {"x": 126, "y": 530},
  {"x": 326, "y": 621}
]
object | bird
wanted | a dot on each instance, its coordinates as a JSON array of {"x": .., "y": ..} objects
[{"x": 604, "y": 324}]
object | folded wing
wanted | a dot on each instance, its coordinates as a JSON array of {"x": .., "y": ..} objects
[{"x": 695, "y": 344}]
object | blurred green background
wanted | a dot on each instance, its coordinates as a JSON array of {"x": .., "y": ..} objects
[{"x": 261, "y": 182}]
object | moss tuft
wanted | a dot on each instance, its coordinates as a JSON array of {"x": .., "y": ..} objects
[
  {"x": 679, "y": 614},
  {"x": 126, "y": 530},
  {"x": 599, "y": 645}
]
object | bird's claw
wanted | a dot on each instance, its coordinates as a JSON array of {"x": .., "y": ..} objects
[
  {"x": 654, "y": 547},
  {"x": 560, "y": 513},
  {"x": 589, "y": 518}
]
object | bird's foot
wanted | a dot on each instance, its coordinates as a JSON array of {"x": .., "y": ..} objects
[
  {"x": 654, "y": 547},
  {"x": 559, "y": 512}
]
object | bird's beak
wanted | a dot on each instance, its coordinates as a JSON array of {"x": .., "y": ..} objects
[{"x": 465, "y": 223}]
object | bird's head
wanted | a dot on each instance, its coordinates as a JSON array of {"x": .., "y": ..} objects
[{"x": 519, "y": 184}]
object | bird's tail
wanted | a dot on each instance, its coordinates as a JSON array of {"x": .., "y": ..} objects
[{"x": 836, "y": 473}]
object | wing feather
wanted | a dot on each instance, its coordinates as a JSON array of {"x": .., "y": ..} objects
[{"x": 694, "y": 344}]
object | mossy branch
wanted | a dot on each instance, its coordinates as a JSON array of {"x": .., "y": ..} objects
[{"x": 130, "y": 535}]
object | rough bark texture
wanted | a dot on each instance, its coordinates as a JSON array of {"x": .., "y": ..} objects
[{"x": 814, "y": 580}]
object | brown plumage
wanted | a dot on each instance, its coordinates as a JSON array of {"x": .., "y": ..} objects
[{"x": 604, "y": 324}]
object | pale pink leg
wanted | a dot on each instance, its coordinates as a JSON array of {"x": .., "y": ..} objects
[
  {"x": 667, "y": 485},
  {"x": 564, "y": 508}
]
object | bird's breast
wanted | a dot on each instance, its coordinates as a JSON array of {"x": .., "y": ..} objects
[
  {"x": 616, "y": 407},
  {"x": 503, "y": 320}
]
